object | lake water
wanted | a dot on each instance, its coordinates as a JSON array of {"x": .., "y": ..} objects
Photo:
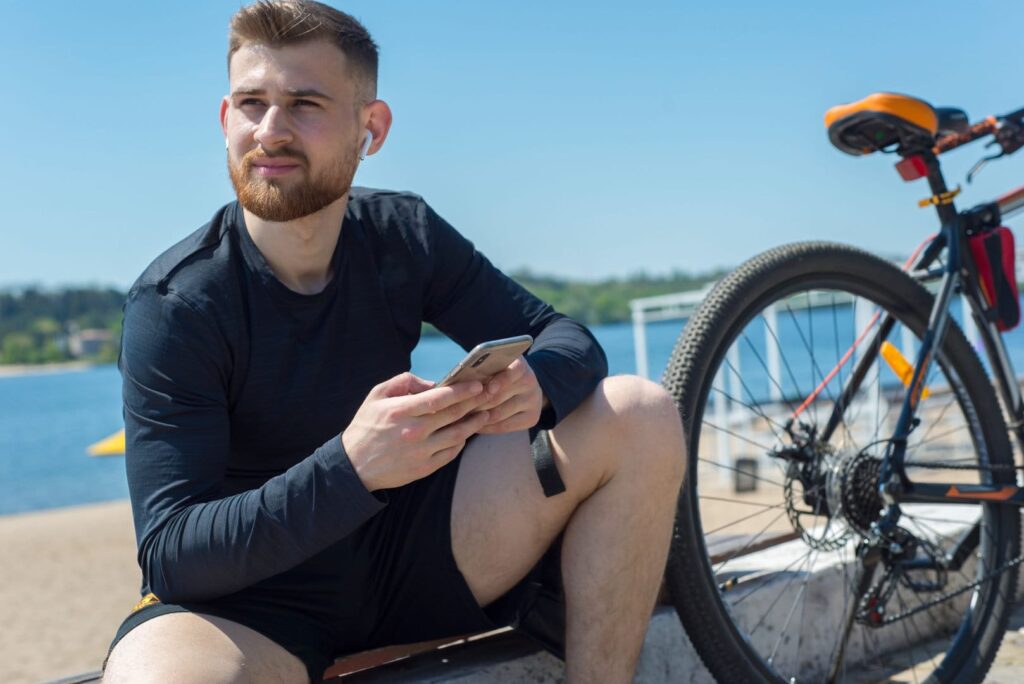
[{"x": 47, "y": 421}]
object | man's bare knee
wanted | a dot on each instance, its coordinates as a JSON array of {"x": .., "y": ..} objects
[
  {"x": 187, "y": 647},
  {"x": 634, "y": 422},
  {"x": 649, "y": 421}
]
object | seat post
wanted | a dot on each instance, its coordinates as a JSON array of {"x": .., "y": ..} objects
[{"x": 937, "y": 184}]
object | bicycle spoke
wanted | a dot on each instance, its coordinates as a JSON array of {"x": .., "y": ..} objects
[
  {"x": 792, "y": 609},
  {"x": 934, "y": 519},
  {"x": 771, "y": 422},
  {"x": 743, "y": 472},
  {"x": 767, "y": 585},
  {"x": 942, "y": 436},
  {"x": 800, "y": 628},
  {"x": 878, "y": 401},
  {"x": 771, "y": 379},
  {"x": 739, "y": 552},
  {"x": 936, "y": 421},
  {"x": 848, "y": 590},
  {"x": 736, "y": 502},
  {"x": 789, "y": 370},
  {"x": 929, "y": 530},
  {"x": 843, "y": 636},
  {"x": 779, "y": 596},
  {"x": 738, "y": 521},
  {"x": 809, "y": 346},
  {"x": 733, "y": 433},
  {"x": 910, "y": 641}
]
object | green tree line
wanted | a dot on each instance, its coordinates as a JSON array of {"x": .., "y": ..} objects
[
  {"x": 37, "y": 325},
  {"x": 607, "y": 301}
]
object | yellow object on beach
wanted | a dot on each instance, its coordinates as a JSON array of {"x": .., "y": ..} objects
[
  {"x": 900, "y": 366},
  {"x": 111, "y": 446}
]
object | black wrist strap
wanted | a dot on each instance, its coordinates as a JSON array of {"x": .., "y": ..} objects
[{"x": 544, "y": 462}]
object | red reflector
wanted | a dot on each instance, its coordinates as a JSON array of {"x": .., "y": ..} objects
[{"x": 912, "y": 168}]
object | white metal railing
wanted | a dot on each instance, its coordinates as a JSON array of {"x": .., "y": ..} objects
[
  {"x": 681, "y": 305},
  {"x": 677, "y": 306}
]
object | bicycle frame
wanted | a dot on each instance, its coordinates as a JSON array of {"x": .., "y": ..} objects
[{"x": 959, "y": 274}]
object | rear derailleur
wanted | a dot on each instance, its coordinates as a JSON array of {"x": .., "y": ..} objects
[{"x": 902, "y": 559}]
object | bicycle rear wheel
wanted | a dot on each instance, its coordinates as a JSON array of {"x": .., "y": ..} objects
[{"x": 764, "y": 569}]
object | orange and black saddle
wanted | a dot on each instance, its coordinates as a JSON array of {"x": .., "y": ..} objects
[{"x": 891, "y": 122}]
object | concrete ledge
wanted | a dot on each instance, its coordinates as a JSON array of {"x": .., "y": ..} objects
[{"x": 668, "y": 656}]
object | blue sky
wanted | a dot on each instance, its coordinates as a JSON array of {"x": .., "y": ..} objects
[{"x": 584, "y": 139}]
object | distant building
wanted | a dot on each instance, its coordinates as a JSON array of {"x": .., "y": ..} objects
[{"x": 89, "y": 342}]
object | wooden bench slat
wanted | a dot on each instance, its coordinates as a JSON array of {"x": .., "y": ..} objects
[
  {"x": 437, "y": 665},
  {"x": 364, "y": 660}
]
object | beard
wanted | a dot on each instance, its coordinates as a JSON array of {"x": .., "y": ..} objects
[{"x": 287, "y": 199}]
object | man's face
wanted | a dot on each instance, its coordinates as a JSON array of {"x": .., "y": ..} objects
[{"x": 292, "y": 129}]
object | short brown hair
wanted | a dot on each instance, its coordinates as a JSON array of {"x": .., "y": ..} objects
[{"x": 276, "y": 23}]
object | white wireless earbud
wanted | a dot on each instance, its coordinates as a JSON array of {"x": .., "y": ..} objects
[{"x": 367, "y": 141}]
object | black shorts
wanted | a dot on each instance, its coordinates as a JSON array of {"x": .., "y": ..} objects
[{"x": 392, "y": 581}]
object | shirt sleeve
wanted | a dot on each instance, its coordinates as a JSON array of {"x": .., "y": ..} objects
[
  {"x": 194, "y": 543},
  {"x": 471, "y": 301}
]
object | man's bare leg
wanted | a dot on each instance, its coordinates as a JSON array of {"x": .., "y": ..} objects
[
  {"x": 190, "y": 648},
  {"x": 621, "y": 457}
]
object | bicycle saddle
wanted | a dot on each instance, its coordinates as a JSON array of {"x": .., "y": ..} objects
[{"x": 882, "y": 121}]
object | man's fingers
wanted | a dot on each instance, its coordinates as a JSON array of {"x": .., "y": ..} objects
[
  {"x": 452, "y": 414},
  {"x": 518, "y": 389},
  {"x": 514, "y": 423},
  {"x": 509, "y": 407},
  {"x": 445, "y": 456},
  {"x": 401, "y": 385},
  {"x": 511, "y": 375},
  {"x": 440, "y": 398},
  {"x": 452, "y": 435}
]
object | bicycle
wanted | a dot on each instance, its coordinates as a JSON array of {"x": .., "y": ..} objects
[{"x": 884, "y": 491}]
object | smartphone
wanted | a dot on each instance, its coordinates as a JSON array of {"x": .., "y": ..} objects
[{"x": 487, "y": 359}]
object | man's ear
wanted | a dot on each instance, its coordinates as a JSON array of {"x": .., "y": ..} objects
[
  {"x": 377, "y": 116},
  {"x": 224, "y": 104}
]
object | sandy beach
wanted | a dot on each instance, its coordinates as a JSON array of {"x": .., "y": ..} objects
[
  {"x": 69, "y": 577},
  {"x": 7, "y": 370}
]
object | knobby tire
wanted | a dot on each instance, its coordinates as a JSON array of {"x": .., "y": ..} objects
[{"x": 735, "y": 649}]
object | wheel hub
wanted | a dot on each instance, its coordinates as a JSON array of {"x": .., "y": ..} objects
[
  {"x": 809, "y": 506},
  {"x": 832, "y": 496}
]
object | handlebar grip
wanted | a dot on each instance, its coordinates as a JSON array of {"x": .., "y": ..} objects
[{"x": 978, "y": 130}]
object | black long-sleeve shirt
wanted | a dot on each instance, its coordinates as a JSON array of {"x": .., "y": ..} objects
[{"x": 236, "y": 389}]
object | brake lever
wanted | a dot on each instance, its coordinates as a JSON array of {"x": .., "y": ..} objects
[
  {"x": 985, "y": 160},
  {"x": 1009, "y": 138}
]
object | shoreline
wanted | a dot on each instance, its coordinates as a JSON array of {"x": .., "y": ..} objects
[
  {"x": 62, "y": 508},
  {"x": 20, "y": 369}
]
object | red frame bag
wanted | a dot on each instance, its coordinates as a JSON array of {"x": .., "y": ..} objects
[{"x": 995, "y": 258}]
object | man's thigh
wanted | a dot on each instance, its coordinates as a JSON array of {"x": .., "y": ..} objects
[
  {"x": 502, "y": 523},
  {"x": 189, "y": 647}
]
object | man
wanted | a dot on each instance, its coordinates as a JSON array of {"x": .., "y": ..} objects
[{"x": 298, "y": 494}]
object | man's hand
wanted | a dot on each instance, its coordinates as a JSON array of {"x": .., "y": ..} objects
[
  {"x": 513, "y": 399},
  {"x": 406, "y": 429}
]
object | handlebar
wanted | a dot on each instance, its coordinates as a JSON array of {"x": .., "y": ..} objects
[
  {"x": 978, "y": 130},
  {"x": 1008, "y": 129}
]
